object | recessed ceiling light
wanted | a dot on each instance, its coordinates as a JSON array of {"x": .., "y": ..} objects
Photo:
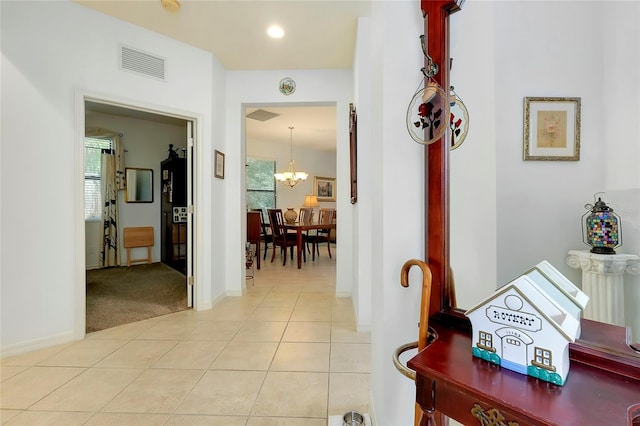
[{"x": 275, "y": 31}]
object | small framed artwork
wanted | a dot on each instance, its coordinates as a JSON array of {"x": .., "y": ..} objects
[
  {"x": 324, "y": 188},
  {"x": 353, "y": 152},
  {"x": 218, "y": 163},
  {"x": 552, "y": 129}
]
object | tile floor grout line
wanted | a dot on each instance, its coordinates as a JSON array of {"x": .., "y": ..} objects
[{"x": 269, "y": 293}]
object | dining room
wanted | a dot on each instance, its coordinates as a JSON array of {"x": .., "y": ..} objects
[{"x": 291, "y": 167}]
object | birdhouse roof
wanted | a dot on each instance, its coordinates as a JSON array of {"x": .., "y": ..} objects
[{"x": 557, "y": 316}]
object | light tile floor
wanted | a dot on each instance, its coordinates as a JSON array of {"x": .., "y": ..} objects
[{"x": 287, "y": 353}]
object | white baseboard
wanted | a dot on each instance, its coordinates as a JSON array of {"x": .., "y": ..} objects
[
  {"x": 35, "y": 344},
  {"x": 203, "y": 306},
  {"x": 372, "y": 411}
]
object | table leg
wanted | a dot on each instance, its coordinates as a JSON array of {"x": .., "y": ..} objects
[
  {"x": 299, "y": 237},
  {"x": 425, "y": 400},
  {"x": 258, "y": 252}
]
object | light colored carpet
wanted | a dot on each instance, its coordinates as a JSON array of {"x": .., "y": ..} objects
[{"x": 121, "y": 295}]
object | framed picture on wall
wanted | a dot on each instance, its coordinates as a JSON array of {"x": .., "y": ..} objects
[
  {"x": 552, "y": 129},
  {"x": 324, "y": 188},
  {"x": 218, "y": 164}
]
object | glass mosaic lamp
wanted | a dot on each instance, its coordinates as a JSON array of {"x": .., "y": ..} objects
[{"x": 602, "y": 230}]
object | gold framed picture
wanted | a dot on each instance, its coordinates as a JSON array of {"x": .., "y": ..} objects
[
  {"x": 551, "y": 129},
  {"x": 324, "y": 188}
]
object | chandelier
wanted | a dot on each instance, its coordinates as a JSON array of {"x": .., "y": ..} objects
[{"x": 291, "y": 177}]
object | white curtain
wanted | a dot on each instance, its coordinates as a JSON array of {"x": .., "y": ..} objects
[
  {"x": 112, "y": 180},
  {"x": 109, "y": 248},
  {"x": 118, "y": 151}
]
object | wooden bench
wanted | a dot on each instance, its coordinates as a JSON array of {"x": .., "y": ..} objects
[{"x": 138, "y": 237}]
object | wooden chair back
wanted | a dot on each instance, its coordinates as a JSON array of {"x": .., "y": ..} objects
[
  {"x": 306, "y": 215},
  {"x": 325, "y": 216},
  {"x": 254, "y": 227},
  {"x": 265, "y": 230},
  {"x": 276, "y": 220}
]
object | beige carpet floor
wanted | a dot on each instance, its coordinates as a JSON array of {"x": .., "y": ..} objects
[{"x": 122, "y": 295}]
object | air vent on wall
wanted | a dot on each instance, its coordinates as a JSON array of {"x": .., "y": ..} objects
[
  {"x": 142, "y": 63},
  {"x": 262, "y": 115}
]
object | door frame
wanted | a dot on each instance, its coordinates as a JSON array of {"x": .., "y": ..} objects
[
  {"x": 196, "y": 244},
  {"x": 243, "y": 157}
]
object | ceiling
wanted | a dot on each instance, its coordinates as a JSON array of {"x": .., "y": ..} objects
[
  {"x": 314, "y": 127},
  {"x": 319, "y": 34}
]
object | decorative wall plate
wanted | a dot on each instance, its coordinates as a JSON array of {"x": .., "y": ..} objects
[
  {"x": 427, "y": 113},
  {"x": 287, "y": 86},
  {"x": 458, "y": 120}
]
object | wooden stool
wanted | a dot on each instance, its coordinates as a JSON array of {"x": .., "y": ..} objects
[{"x": 138, "y": 237}]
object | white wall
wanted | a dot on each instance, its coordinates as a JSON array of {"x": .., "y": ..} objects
[
  {"x": 397, "y": 201},
  {"x": 473, "y": 165},
  {"x": 146, "y": 144},
  {"x": 363, "y": 212},
  {"x": 621, "y": 89},
  {"x": 314, "y": 162},
  {"x": 51, "y": 52},
  {"x": 547, "y": 196},
  {"x": 211, "y": 221}
]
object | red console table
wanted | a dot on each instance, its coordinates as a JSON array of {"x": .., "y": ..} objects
[{"x": 450, "y": 381}]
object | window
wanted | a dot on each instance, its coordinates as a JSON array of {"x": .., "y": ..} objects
[
  {"x": 485, "y": 340},
  {"x": 543, "y": 358},
  {"x": 92, "y": 176},
  {"x": 261, "y": 185}
]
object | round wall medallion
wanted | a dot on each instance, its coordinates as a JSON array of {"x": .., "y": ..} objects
[{"x": 287, "y": 86}]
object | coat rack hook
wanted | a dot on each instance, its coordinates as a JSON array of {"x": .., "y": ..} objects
[{"x": 432, "y": 68}]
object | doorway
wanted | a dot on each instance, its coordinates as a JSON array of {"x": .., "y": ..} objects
[
  {"x": 148, "y": 138},
  {"x": 281, "y": 133}
]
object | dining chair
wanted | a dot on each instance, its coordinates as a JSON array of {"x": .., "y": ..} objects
[
  {"x": 305, "y": 217},
  {"x": 322, "y": 235},
  {"x": 265, "y": 233},
  {"x": 281, "y": 238},
  {"x": 254, "y": 232}
]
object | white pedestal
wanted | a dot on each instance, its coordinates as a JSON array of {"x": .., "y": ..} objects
[{"x": 603, "y": 282}]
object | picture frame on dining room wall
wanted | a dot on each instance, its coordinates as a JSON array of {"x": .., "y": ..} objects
[
  {"x": 324, "y": 188},
  {"x": 551, "y": 129}
]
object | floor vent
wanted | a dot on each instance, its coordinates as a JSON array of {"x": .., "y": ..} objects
[{"x": 142, "y": 63}]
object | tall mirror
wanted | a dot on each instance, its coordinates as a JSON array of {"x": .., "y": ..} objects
[
  {"x": 505, "y": 210},
  {"x": 139, "y": 185}
]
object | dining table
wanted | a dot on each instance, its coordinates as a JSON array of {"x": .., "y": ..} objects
[{"x": 300, "y": 227}]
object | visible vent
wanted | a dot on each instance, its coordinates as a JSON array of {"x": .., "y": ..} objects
[
  {"x": 262, "y": 115},
  {"x": 142, "y": 63}
]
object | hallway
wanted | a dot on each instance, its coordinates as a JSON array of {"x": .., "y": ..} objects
[{"x": 286, "y": 353}]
